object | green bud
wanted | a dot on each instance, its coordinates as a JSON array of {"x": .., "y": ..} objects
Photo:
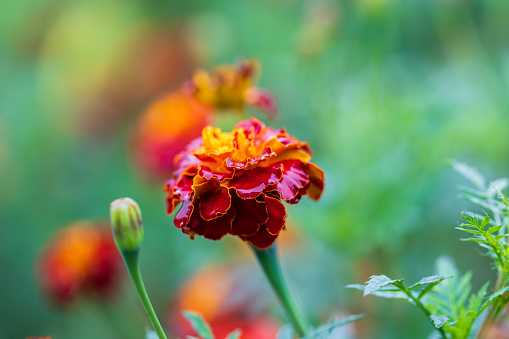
[{"x": 125, "y": 216}]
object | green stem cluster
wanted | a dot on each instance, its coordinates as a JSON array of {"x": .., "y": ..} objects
[{"x": 270, "y": 265}]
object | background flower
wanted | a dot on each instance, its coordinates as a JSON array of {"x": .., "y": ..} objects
[
  {"x": 231, "y": 87},
  {"x": 81, "y": 259},
  {"x": 228, "y": 297}
]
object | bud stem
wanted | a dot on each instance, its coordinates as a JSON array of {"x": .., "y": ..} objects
[
  {"x": 270, "y": 265},
  {"x": 133, "y": 267}
]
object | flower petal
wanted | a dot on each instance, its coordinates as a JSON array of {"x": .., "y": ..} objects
[
  {"x": 295, "y": 177},
  {"x": 213, "y": 229},
  {"x": 215, "y": 203},
  {"x": 208, "y": 174},
  {"x": 250, "y": 183},
  {"x": 250, "y": 215},
  {"x": 182, "y": 217},
  {"x": 277, "y": 215},
  {"x": 267, "y": 153},
  {"x": 262, "y": 239},
  {"x": 316, "y": 180}
]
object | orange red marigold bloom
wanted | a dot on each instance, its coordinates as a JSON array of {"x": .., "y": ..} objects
[
  {"x": 81, "y": 258},
  {"x": 233, "y": 182},
  {"x": 165, "y": 128},
  {"x": 231, "y": 87}
]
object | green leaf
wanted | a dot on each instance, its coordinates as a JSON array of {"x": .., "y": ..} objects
[
  {"x": 323, "y": 331},
  {"x": 494, "y": 229},
  {"x": 427, "y": 280},
  {"x": 497, "y": 186},
  {"x": 285, "y": 332},
  {"x": 493, "y": 297},
  {"x": 469, "y": 231},
  {"x": 198, "y": 324},
  {"x": 474, "y": 239},
  {"x": 234, "y": 335},
  {"x": 470, "y": 174},
  {"x": 376, "y": 282},
  {"x": 439, "y": 320},
  {"x": 485, "y": 221}
]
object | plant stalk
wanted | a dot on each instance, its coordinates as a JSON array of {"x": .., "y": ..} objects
[
  {"x": 496, "y": 310},
  {"x": 133, "y": 267},
  {"x": 269, "y": 262}
]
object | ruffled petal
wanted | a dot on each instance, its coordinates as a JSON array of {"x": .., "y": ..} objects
[
  {"x": 250, "y": 215},
  {"x": 263, "y": 239},
  {"x": 208, "y": 174},
  {"x": 295, "y": 177},
  {"x": 267, "y": 153},
  {"x": 250, "y": 183},
  {"x": 213, "y": 229},
  {"x": 277, "y": 215},
  {"x": 316, "y": 181},
  {"x": 183, "y": 215},
  {"x": 215, "y": 203}
]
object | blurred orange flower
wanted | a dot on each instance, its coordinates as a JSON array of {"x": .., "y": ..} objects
[
  {"x": 231, "y": 87},
  {"x": 233, "y": 182},
  {"x": 227, "y": 299},
  {"x": 167, "y": 126},
  {"x": 81, "y": 258}
]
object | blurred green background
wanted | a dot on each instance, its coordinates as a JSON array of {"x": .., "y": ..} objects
[{"x": 385, "y": 92}]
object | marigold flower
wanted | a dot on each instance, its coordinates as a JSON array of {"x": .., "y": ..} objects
[
  {"x": 231, "y": 87},
  {"x": 167, "y": 126},
  {"x": 81, "y": 258},
  {"x": 233, "y": 182}
]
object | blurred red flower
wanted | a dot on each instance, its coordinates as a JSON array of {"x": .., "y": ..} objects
[
  {"x": 227, "y": 299},
  {"x": 166, "y": 127},
  {"x": 233, "y": 182},
  {"x": 81, "y": 258},
  {"x": 232, "y": 87}
]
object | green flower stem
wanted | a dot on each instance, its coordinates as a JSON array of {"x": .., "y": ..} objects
[
  {"x": 133, "y": 267},
  {"x": 270, "y": 265}
]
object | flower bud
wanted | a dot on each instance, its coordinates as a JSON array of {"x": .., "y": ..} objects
[{"x": 125, "y": 216}]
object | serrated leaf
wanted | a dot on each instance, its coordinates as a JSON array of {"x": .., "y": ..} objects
[
  {"x": 285, "y": 332},
  {"x": 497, "y": 186},
  {"x": 323, "y": 331},
  {"x": 427, "y": 280},
  {"x": 390, "y": 295},
  {"x": 493, "y": 297},
  {"x": 234, "y": 335},
  {"x": 469, "y": 231},
  {"x": 474, "y": 239},
  {"x": 439, "y": 320},
  {"x": 378, "y": 281},
  {"x": 494, "y": 229},
  {"x": 198, "y": 324},
  {"x": 485, "y": 221},
  {"x": 470, "y": 174}
]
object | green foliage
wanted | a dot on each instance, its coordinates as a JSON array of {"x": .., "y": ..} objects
[
  {"x": 199, "y": 325},
  {"x": 234, "y": 335},
  {"x": 451, "y": 304},
  {"x": 445, "y": 298},
  {"x": 327, "y": 331}
]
